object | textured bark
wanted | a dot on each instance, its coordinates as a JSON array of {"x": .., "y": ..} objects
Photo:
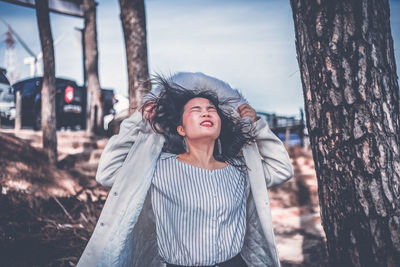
[
  {"x": 94, "y": 112},
  {"x": 18, "y": 114},
  {"x": 48, "y": 109},
  {"x": 133, "y": 20},
  {"x": 348, "y": 72}
]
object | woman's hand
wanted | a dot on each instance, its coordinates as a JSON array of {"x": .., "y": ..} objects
[
  {"x": 148, "y": 112},
  {"x": 246, "y": 110}
]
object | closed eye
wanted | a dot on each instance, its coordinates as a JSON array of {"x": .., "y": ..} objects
[{"x": 196, "y": 108}]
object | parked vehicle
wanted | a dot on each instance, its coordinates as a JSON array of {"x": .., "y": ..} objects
[
  {"x": 7, "y": 103},
  {"x": 121, "y": 108},
  {"x": 108, "y": 100},
  {"x": 7, "y": 107},
  {"x": 70, "y": 102},
  {"x": 4, "y": 83}
]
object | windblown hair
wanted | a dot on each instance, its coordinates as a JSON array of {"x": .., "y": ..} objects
[{"x": 169, "y": 107}]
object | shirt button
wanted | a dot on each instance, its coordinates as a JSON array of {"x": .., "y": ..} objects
[
  {"x": 115, "y": 194},
  {"x": 101, "y": 224}
]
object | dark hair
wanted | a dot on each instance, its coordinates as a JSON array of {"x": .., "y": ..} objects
[{"x": 169, "y": 108}]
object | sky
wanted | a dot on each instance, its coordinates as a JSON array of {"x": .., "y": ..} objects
[{"x": 249, "y": 44}]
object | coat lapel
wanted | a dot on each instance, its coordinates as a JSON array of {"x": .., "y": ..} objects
[
  {"x": 259, "y": 192},
  {"x": 119, "y": 246}
]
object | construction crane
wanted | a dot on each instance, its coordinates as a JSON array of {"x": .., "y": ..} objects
[
  {"x": 35, "y": 59},
  {"x": 9, "y": 59}
]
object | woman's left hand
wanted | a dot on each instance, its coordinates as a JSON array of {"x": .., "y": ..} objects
[{"x": 246, "y": 110}]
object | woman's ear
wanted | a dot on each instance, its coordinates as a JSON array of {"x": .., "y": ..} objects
[{"x": 180, "y": 130}]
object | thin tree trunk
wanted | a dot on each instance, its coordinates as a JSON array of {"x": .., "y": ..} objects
[
  {"x": 351, "y": 94},
  {"x": 18, "y": 114},
  {"x": 133, "y": 20},
  {"x": 48, "y": 109},
  {"x": 94, "y": 121}
]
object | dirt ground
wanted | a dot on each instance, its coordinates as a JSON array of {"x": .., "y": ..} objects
[
  {"x": 48, "y": 213},
  {"x": 296, "y": 215}
]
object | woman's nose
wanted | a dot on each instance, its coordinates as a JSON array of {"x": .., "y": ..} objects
[{"x": 205, "y": 114}]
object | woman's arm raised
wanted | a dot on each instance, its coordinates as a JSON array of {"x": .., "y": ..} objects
[
  {"x": 275, "y": 159},
  {"x": 118, "y": 146}
]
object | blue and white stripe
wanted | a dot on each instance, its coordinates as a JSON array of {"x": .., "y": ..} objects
[{"x": 200, "y": 214}]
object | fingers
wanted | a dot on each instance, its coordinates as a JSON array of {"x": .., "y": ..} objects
[
  {"x": 148, "y": 111},
  {"x": 243, "y": 106},
  {"x": 247, "y": 114},
  {"x": 150, "y": 114},
  {"x": 246, "y": 110}
]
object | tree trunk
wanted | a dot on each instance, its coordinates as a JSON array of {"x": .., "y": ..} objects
[
  {"x": 48, "y": 108},
  {"x": 351, "y": 94},
  {"x": 94, "y": 115},
  {"x": 133, "y": 20},
  {"x": 18, "y": 114}
]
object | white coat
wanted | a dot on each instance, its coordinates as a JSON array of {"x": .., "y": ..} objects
[{"x": 125, "y": 234}]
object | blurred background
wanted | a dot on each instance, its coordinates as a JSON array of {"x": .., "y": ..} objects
[{"x": 48, "y": 211}]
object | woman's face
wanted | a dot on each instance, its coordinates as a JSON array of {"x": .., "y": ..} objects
[{"x": 200, "y": 120}]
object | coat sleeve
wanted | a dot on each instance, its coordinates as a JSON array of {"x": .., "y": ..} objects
[
  {"x": 275, "y": 159},
  {"x": 117, "y": 148}
]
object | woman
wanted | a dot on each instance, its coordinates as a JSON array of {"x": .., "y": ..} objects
[{"x": 212, "y": 215}]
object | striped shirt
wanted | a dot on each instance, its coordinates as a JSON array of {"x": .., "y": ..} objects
[{"x": 200, "y": 214}]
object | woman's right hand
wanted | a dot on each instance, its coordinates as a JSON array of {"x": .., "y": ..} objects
[{"x": 148, "y": 112}]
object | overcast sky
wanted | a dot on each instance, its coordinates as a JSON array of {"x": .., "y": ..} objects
[{"x": 249, "y": 44}]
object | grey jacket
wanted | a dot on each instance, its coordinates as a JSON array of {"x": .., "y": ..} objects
[{"x": 125, "y": 234}]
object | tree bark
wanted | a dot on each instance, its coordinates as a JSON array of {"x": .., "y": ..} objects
[
  {"x": 18, "y": 114},
  {"x": 94, "y": 112},
  {"x": 133, "y": 20},
  {"x": 348, "y": 72},
  {"x": 48, "y": 104}
]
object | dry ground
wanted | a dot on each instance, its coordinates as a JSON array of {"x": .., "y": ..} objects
[{"x": 48, "y": 213}]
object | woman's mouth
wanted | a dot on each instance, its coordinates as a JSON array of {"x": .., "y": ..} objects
[{"x": 207, "y": 123}]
